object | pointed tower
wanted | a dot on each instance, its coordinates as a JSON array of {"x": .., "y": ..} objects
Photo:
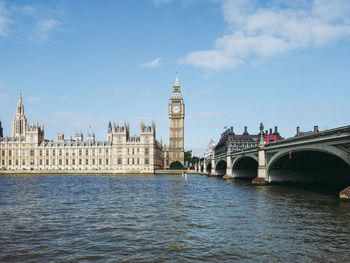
[
  {"x": 1, "y": 131},
  {"x": 19, "y": 123},
  {"x": 176, "y": 129}
]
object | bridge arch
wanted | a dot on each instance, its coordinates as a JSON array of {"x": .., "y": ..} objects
[
  {"x": 312, "y": 165},
  {"x": 208, "y": 168},
  {"x": 245, "y": 167},
  {"x": 220, "y": 168}
]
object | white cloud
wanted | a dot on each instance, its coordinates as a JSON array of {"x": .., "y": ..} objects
[
  {"x": 44, "y": 27},
  {"x": 152, "y": 64},
  {"x": 33, "y": 100},
  {"x": 160, "y": 2},
  {"x": 5, "y": 21},
  {"x": 258, "y": 32},
  {"x": 27, "y": 21}
]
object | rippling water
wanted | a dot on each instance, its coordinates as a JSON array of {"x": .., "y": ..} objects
[{"x": 167, "y": 218}]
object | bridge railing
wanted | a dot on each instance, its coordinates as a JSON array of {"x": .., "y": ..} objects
[{"x": 336, "y": 131}]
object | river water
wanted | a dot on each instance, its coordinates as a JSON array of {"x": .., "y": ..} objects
[{"x": 166, "y": 218}]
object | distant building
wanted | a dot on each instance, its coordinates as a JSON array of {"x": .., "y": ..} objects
[
  {"x": 209, "y": 153},
  {"x": 27, "y": 149},
  {"x": 230, "y": 141},
  {"x": 300, "y": 133}
]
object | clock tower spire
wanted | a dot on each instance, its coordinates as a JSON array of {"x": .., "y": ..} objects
[{"x": 176, "y": 129}]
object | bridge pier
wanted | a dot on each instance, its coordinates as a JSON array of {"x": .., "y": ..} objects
[
  {"x": 212, "y": 172},
  {"x": 345, "y": 194},
  {"x": 228, "y": 168},
  {"x": 261, "y": 178}
]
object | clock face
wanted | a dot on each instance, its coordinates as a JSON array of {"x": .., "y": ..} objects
[{"x": 176, "y": 109}]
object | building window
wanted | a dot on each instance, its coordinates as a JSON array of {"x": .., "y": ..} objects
[
  {"x": 87, "y": 152},
  {"x": 53, "y": 152},
  {"x": 3, "y": 162},
  {"x": 87, "y": 161},
  {"x": 100, "y": 161},
  {"x": 31, "y": 162},
  {"x": 119, "y": 160},
  {"x": 16, "y": 162},
  {"x": 93, "y": 161},
  {"x": 10, "y": 153},
  {"x": 66, "y": 152},
  {"x": 106, "y": 151},
  {"x": 31, "y": 152},
  {"x": 54, "y": 161},
  {"x": 60, "y": 152},
  {"x": 67, "y": 161},
  {"x": 73, "y": 162},
  {"x": 146, "y": 151},
  {"x": 146, "y": 161},
  {"x": 23, "y": 162},
  {"x": 60, "y": 161},
  {"x": 41, "y": 152},
  {"x": 106, "y": 161},
  {"x": 41, "y": 161},
  {"x": 93, "y": 151},
  {"x": 10, "y": 162},
  {"x": 80, "y": 152},
  {"x": 47, "y": 152},
  {"x": 3, "y": 153},
  {"x": 47, "y": 162},
  {"x": 73, "y": 152},
  {"x": 80, "y": 161}
]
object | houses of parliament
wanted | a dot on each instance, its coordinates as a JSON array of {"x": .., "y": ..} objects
[{"x": 27, "y": 148}]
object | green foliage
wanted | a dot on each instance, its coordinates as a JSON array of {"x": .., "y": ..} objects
[
  {"x": 194, "y": 160},
  {"x": 176, "y": 165},
  {"x": 187, "y": 156}
]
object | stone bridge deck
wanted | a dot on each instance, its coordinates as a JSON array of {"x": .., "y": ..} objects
[{"x": 322, "y": 157}]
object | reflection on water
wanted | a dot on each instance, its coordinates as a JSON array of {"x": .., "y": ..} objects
[{"x": 167, "y": 218}]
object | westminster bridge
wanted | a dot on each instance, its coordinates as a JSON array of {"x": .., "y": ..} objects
[{"x": 322, "y": 157}]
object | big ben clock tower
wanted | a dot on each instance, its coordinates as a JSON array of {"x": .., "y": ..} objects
[{"x": 176, "y": 118}]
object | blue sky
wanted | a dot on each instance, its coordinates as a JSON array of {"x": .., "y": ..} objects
[{"x": 83, "y": 63}]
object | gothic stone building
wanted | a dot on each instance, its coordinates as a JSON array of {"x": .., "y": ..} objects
[{"x": 27, "y": 148}]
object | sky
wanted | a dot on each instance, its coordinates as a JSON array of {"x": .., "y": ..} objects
[{"x": 82, "y": 63}]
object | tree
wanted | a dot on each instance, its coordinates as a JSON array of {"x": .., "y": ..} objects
[
  {"x": 188, "y": 156},
  {"x": 176, "y": 165}
]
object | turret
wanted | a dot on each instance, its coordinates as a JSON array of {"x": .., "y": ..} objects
[
  {"x": 245, "y": 130},
  {"x": 79, "y": 137},
  {"x": 91, "y": 137},
  {"x": 1, "y": 131},
  {"x": 60, "y": 137},
  {"x": 110, "y": 127},
  {"x": 19, "y": 123}
]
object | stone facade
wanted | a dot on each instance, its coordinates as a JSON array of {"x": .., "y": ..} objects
[{"x": 27, "y": 149}]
